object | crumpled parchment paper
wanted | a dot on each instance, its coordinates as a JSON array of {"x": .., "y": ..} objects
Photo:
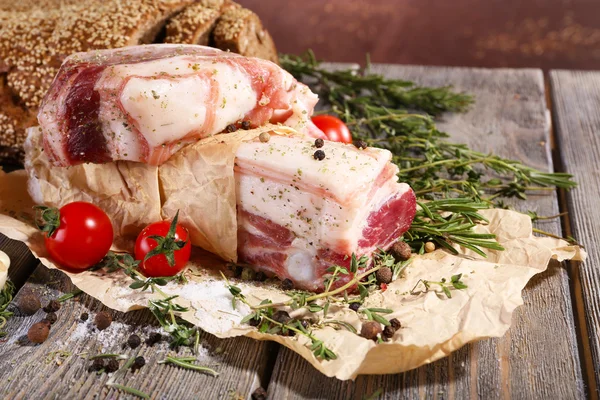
[{"x": 432, "y": 324}]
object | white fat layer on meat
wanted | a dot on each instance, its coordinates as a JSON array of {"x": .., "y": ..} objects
[
  {"x": 300, "y": 202},
  {"x": 345, "y": 175},
  {"x": 166, "y": 109}
]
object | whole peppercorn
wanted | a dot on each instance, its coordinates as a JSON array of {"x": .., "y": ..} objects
[
  {"x": 319, "y": 143},
  {"x": 52, "y": 306},
  {"x": 384, "y": 275},
  {"x": 388, "y": 332},
  {"x": 361, "y": 144},
  {"x": 237, "y": 271},
  {"x": 259, "y": 394},
  {"x": 319, "y": 155},
  {"x": 51, "y": 317},
  {"x": 134, "y": 341},
  {"x": 103, "y": 320},
  {"x": 395, "y": 323},
  {"x": 281, "y": 316},
  {"x": 305, "y": 323},
  {"x": 29, "y": 304},
  {"x": 264, "y": 137},
  {"x": 97, "y": 365},
  {"x": 230, "y": 128},
  {"x": 261, "y": 276},
  {"x": 154, "y": 338},
  {"x": 429, "y": 247},
  {"x": 370, "y": 330},
  {"x": 400, "y": 251},
  {"x": 38, "y": 332},
  {"x": 84, "y": 316},
  {"x": 354, "y": 306},
  {"x": 112, "y": 365},
  {"x": 246, "y": 125},
  {"x": 248, "y": 274},
  {"x": 138, "y": 363},
  {"x": 254, "y": 321},
  {"x": 287, "y": 284}
]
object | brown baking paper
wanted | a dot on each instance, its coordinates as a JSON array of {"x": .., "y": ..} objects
[{"x": 432, "y": 324}]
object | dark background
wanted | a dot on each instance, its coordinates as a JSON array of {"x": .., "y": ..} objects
[{"x": 487, "y": 33}]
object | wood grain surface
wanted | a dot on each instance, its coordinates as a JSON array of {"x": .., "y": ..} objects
[
  {"x": 576, "y": 106},
  {"x": 38, "y": 372},
  {"x": 509, "y": 118}
]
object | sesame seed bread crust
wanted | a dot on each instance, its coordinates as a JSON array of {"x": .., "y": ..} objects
[
  {"x": 240, "y": 30},
  {"x": 37, "y": 35}
]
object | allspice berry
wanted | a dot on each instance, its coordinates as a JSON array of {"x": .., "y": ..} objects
[
  {"x": 400, "y": 251},
  {"x": 388, "y": 332},
  {"x": 29, "y": 304},
  {"x": 102, "y": 320},
  {"x": 52, "y": 306},
  {"x": 384, "y": 275},
  {"x": 38, "y": 333},
  {"x": 264, "y": 137},
  {"x": 429, "y": 247},
  {"x": 395, "y": 323},
  {"x": 370, "y": 330}
]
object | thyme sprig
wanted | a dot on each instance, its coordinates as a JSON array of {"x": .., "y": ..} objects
[
  {"x": 455, "y": 283},
  {"x": 397, "y": 115}
]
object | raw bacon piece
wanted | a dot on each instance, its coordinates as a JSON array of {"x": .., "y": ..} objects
[
  {"x": 298, "y": 216},
  {"x": 144, "y": 103}
]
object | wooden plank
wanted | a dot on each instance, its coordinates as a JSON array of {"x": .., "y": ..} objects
[
  {"x": 32, "y": 372},
  {"x": 576, "y": 105},
  {"x": 22, "y": 262},
  {"x": 538, "y": 357}
]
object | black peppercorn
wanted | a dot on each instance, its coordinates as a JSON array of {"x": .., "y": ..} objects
[
  {"x": 154, "y": 338},
  {"x": 395, "y": 323},
  {"x": 370, "y": 330},
  {"x": 319, "y": 155},
  {"x": 84, "y": 316},
  {"x": 384, "y": 275},
  {"x": 138, "y": 363},
  {"x": 319, "y": 143},
  {"x": 112, "y": 365},
  {"x": 237, "y": 271},
  {"x": 281, "y": 316},
  {"x": 354, "y": 306},
  {"x": 259, "y": 394},
  {"x": 400, "y": 251},
  {"x": 254, "y": 322},
  {"x": 388, "y": 332},
  {"x": 134, "y": 341},
  {"x": 51, "y": 317},
  {"x": 361, "y": 144},
  {"x": 29, "y": 304},
  {"x": 97, "y": 365},
  {"x": 261, "y": 276},
  {"x": 287, "y": 284},
  {"x": 246, "y": 125},
  {"x": 231, "y": 128},
  {"x": 52, "y": 306},
  {"x": 38, "y": 332}
]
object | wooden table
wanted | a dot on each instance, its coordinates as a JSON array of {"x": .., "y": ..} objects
[{"x": 552, "y": 350}]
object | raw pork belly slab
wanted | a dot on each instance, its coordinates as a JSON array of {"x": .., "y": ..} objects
[
  {"x": 298, "y": 216},
  {"x": 144, "y": 103}
]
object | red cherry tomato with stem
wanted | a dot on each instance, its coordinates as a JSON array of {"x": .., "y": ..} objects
[
  {"x": 334, "y": 128},
  {"x": 163, "y": 248},
  {"x": 78, "y": 235}
]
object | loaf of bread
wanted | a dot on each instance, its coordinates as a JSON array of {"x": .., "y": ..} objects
[{"x": 36, "y": 36}]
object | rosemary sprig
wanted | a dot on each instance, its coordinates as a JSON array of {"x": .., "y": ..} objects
[
  {"x": 395, "y": 114},
  {"x": 69, "y": 295},
  {"x": 186, "y": 362}
]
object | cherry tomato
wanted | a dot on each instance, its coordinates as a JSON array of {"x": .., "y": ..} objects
[
  {"x": 175, "y": 241},
  {"x": 334, "y": 128},
  {"x": 78, "y": 235}
]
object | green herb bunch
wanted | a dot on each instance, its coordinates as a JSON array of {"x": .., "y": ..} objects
[{"x": 399, "y": 115}]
